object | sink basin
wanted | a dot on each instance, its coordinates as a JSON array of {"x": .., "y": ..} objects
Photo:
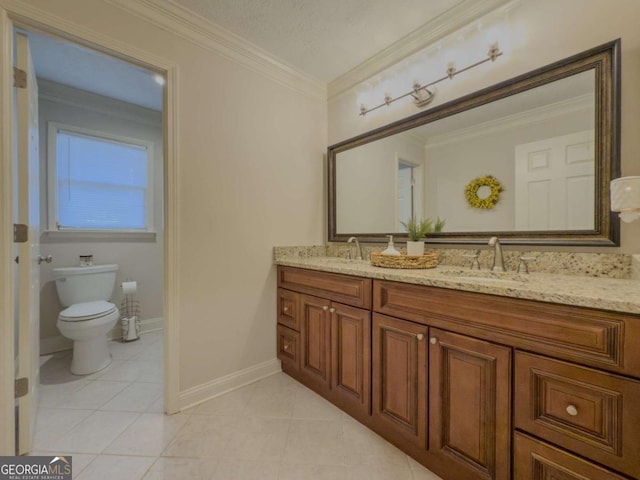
[{"x": 480, "y": 276}]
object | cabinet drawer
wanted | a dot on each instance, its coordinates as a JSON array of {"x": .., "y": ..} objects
[
  {"x": 592, "y": 413},
  {"x": 354, "y": 291},
  {"x": 592, "y": 337},
  {"x": 288, "y": 309},
  {"x": 535, "y": 460},
  {"x": 289, "y": 348}
]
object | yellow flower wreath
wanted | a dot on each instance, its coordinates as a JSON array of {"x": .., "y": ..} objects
[{"x": 471, "y": 192}]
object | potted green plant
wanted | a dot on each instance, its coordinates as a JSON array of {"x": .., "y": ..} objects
[{"x": 417, "y": 230}]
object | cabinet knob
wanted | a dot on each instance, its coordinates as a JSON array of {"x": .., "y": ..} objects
[
  {"x": 332, "y": 310},
  {"x": 286, "y": 309},
  {"x": 419, "y": 336},
  {"x": 286, "y": 346},
  {"x": 325, "y": 308},
  {"x": 433, "y": 340},
  {"x": 572, "y": 410}
]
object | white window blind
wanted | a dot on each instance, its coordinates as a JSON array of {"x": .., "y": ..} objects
[{"x": 101, "y": 184}]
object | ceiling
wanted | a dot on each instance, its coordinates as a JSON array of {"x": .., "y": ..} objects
[
  {"x": 322, "y": 38},
  {"x": 80, "y": 67}
]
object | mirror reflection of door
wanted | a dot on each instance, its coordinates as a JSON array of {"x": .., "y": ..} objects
[
  {"x": 554, "y": 183},
  {"x": 407, "y": 192}
]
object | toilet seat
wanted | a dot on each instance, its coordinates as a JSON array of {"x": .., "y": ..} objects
[{"x": 81, "y": 312}]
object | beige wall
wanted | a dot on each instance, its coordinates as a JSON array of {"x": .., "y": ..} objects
[
  {"x": 542, "y": 32},
  {"x": 250, "y": 168},
  {"x": 138, "y": 260}
]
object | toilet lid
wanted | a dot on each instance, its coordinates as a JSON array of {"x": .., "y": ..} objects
[{"x": 87, "y": 311}]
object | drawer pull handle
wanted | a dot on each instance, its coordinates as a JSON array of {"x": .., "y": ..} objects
[
  {"x": 419, "y": 337},
  {"x": 332, "y": 310},
  {"x": 433, "y": 340},
  {"x": 325, "y": 308},
  {"x": 572, "y": 410}
]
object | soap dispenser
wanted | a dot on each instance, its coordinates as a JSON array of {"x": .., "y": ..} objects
[{"x": 390, "y": 250}]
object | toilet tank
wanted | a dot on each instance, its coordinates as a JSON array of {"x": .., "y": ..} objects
[{"x": 85, "y": 284}]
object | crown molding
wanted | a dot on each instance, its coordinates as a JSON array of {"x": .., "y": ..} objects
[
  {"x": 438, "y": 28},
  {"x": 200, "y": 31}
]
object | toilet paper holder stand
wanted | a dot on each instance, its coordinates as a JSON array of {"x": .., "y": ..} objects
[{"x": 129, "y": 312}]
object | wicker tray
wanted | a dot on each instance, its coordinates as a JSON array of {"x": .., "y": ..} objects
[{"x": 428, "y": 260}]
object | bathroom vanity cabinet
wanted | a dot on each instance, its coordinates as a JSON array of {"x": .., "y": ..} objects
[{"x": 474, "y": 386}]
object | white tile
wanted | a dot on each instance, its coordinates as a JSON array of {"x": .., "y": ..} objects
[
  {"x": 363, "y": 446},
  {"x": 125, "y": 351},
  {"x": 379, "y": 472},
  {"x": 107, "y": 467},
  {"x": 148, "y": 435},
  {"x": 272, "y": 397},
  {"x": 157, "y": 406},
  {"x": 122, "y": 371},
  {"x": 94, "y": 433},
  {"x": 312, "y": 472},
  {"x": 52, "y": 423},
  {"x": 244, "y": 470},
  {"x": 152, "y": 353},
  {"x": 92, "y": 395},
  {"x": 136, "y": 397},
  {"x": 53, "y": 395},
  {"x": 315, "y": 442},
  {"x": 78, "y": 460},
  {"x": 420, "y": 472},
  {"x": 182, "y": 468},
  {"x": 310, "y": 405},
  {"x": 258, "y": 439},
  {"x": 232, "y": 403},
  {"x": 202, "y": 437}
]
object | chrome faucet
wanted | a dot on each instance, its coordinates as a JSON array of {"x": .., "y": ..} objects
[
  {"x": 358, "y": 249},
  {"x": 498, "y": 260}
]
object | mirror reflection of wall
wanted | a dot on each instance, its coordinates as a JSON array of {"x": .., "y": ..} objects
[{"x": 512, "y": 139}]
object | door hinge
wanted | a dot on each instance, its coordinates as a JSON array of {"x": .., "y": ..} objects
[
  {"x": 19, "y": 78},
  {"x": 20, "y": 233},
  {"x": 21, "y": 387}
]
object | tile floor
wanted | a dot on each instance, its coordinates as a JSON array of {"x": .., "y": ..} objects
[{"x": 112, "y": 424}]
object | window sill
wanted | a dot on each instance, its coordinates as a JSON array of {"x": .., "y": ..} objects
[{"x": 62, "y": 236}]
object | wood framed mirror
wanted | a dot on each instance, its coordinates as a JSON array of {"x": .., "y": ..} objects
[{"x": 550, "y": 138}]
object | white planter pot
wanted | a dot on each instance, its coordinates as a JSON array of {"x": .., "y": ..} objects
[{"x": 415, "y": 249}]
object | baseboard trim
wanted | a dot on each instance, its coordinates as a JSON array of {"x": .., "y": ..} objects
[
  {"x": 206, "y": 391},
  {"x": 59, "y": 343}
]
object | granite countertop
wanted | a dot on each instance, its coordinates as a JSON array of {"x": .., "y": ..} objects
[{"x": 620, "y": 295}]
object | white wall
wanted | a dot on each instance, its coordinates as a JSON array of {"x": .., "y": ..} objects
[
  {"x": 452, "y": 162},
  {"x": 250, "y": 176},
  {"x": 138, "y": 260},
  {"x": 542, "y": 31},
  {"x": 366, "y": 198}
]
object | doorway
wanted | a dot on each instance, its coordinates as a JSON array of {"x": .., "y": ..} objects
[{"x": 167, "y": 185}]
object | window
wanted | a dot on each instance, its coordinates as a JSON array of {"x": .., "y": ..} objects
[{"x": 99, "y": 182}]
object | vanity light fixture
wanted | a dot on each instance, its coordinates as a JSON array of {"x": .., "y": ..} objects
[
  {"x": 625, "y": 198},
  {"x": 422, "y": 95}
]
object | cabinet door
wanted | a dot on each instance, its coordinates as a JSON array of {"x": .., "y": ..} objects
[
  {"x": 469, "y": 395},
  {"x": 399, "y": 379},
  {"x": 351, "y": 358},
  {"x": 315, "y": 340}
]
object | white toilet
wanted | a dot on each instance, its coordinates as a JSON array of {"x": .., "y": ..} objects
[{"x": 86, "y": 292}]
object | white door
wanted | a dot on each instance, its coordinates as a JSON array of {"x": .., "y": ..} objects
[
  {"x": 555, "y": 183},
  {"x": 28, "y": 213}
]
